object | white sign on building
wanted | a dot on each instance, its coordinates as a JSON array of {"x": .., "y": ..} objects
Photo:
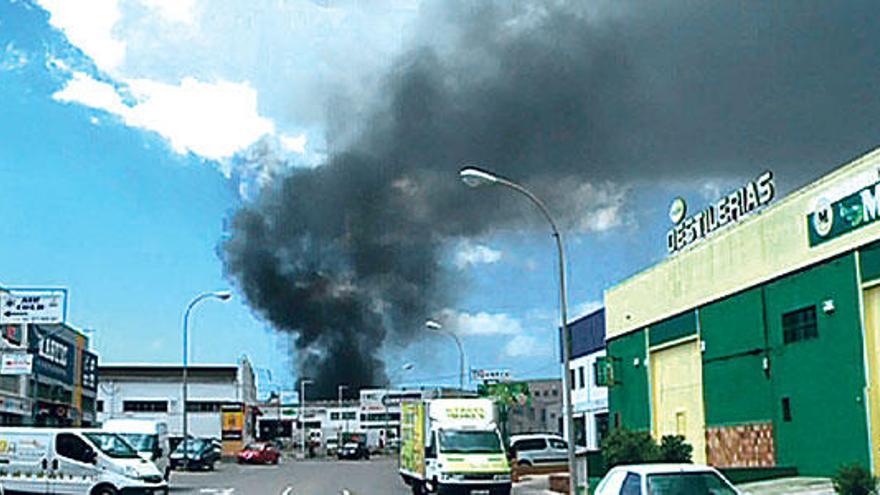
[
  {"x": 18, "y": 363},
  {"x": 46, "y": 306}
]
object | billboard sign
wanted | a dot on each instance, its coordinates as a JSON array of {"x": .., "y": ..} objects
[
  {"x": 54, "y": 357},
  {"x": 832, "y": 219},
  {"x": 89, "y": 370},
  {"x": 46, "y": 306},
  {"x": 18, "y": 363}
]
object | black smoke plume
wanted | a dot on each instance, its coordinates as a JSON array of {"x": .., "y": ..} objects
[{"x": 576, "y": 99}]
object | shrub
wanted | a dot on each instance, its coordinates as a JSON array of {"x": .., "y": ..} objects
[
  {"x": 854, "y": 480},
  {"x": 623, "y": 446},
  {"x": 673, "y": 448}
]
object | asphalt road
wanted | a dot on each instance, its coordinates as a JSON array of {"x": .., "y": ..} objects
[
  {"x": 313, "y": 477},
  {"x": 295, "y": 477}
]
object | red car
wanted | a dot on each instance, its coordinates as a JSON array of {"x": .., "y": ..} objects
[{"x": 259, "y": 453}]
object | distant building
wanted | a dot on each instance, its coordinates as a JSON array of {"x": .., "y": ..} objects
[
  {"x": 59, "y": 387},
  {"x": 543, "y": 413},
  {"x": 589, "y": 394},
  {"x": 154, "y": 391}
]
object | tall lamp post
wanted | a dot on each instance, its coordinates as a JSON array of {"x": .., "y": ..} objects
[
  {"x": 476, "y": 177},
  {"x": 302, "y": 413},
  {"x": 340, "y": 388},
  {"x": 436, "y": 327},
  {"x": 222, "y": 295}
]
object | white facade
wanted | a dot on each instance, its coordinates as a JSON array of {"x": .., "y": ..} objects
[
  {"x": 590, "y": 402},
  {"x": 155, "y": 391}
]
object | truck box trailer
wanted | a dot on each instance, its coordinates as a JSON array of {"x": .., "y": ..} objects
[{"x": 452, "y": 446}]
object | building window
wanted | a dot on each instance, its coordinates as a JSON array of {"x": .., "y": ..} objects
[
  {"x": 571, "y": 379},
  {"x": 800, "y": 325},
  {"x": 204, "y": 406},
  {"x": 99, "y": 406},
  {"x": 581, "y": 377},
  {"x": 334, "y": 416},
  {"x": 555, "y": 393},
  {"x": 786, "y": 409},
  {"x": 145, "y": 406}
]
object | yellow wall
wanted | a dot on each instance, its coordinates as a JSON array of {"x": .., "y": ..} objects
[
  {"x": 760, "y": 248},
  {"x": 677, "y": 395}
]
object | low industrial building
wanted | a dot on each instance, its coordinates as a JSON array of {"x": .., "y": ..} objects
[
  {"x": 589, "y": 393},
  {"x": 758, "y": 337},
  {"x": 221, "y": 399},
  {"x": 543, "y": 411}
]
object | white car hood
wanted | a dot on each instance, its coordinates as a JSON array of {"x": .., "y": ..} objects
[{"x": 143, "y": 467}]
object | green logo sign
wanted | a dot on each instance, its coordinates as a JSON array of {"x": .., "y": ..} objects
[{"x": 832, "y": 220}]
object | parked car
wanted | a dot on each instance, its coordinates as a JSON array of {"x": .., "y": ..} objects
[
  {"x": 331, "y": 446},
  {"x": 353, "y": 450},
  {"x": 664, "y": 479},
  {"x": 200, "y": 454},
  {"x": 538, "y": 449},
  {"x": 148, "y": 437},
  {"x": 73, "y": 460},
  {"x": 259, "y": 453}
]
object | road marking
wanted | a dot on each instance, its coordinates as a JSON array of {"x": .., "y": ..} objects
[
  {"x": 345, "y": 492},
  {"x": 288, "y": 491},
  {"x": 218, "y": 491}
]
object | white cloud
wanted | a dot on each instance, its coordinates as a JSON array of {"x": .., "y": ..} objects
[
  {"x": 214, "y": 120},
  {"x": 294, "y": 144},
  {"x": 526, "y": 346},
  {"x": 481, "y": 323},
  {"x": 11, "y": 58},
  {"x": 584, "y": 308},
  {"x": 182, "y": 11},
  {"x": 470, "y": 254},
  {"x": 90, "y": 28},
  {"x": 597, "y": 207}
]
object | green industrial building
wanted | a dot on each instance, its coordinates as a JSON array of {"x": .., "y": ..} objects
[{"x": 758, "y": 337}]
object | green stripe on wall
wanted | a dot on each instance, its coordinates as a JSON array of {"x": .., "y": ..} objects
[{"x": 673, "y": 328}]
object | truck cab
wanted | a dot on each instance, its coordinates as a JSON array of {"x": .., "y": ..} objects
[{"x": 453, "y": 446}]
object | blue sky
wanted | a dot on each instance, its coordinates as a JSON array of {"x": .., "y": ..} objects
[{"x": 114, "y": 187}]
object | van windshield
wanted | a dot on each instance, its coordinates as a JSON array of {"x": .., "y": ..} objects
[
  {"x": 469, "y": 442},
  {"x": 142, "y": 442},
  {"x": 112, "y": 444}
]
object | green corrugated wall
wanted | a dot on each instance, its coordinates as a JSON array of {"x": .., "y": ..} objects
[{"x": 630, "y": 396}]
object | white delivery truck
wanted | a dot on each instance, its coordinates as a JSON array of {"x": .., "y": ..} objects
[
  {"x": 74, "y": 461},
  {"x": 148, "y": 437},
  {"x": 452, "y": 446}
]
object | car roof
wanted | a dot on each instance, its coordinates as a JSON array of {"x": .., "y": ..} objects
[
  {"x": 646, "y": 469},
  {"x": 532, "y": 436}
]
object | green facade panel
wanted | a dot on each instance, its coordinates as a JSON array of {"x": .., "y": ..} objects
[
  {"x": 629, "y": 397},
  {"x": 674, "y": 328},
  {"x": 732, "y": 330},
  {"x": 822, "y": 378},
  {"x": 869, "y": 259}
]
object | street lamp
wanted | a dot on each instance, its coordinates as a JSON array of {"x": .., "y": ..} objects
[
  {"x": 222, "y": 295},
  {"x": 476, "y": 177},
  {"x": 340, "y": 388},
  {"x": 302, "y": 413},
  {"x": 436, "y": 327}
]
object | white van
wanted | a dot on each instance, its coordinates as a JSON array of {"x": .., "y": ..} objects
[
  {"x": 149, "y": 438},
  {"x": 74, "y": 461}
]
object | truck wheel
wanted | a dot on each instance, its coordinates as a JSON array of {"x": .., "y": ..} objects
[
  {"x": 418, "y": 488},
  {"x": 104, "y": 490}
]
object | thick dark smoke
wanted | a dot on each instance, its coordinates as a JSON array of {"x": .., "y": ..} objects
[{"x": 589, "y": 96}]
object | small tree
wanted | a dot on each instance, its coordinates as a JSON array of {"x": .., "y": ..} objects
[
  {"x": 673, "y": 448},
  {"x": 623, "y": 446},
  {"x": 854, "y": 480}
]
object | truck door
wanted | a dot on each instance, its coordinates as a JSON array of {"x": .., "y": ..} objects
[{"x": 75, "y": 460}]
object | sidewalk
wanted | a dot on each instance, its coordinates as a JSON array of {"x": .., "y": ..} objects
[
  {"x": 801, "y": 486},
  {"x": 538, "y": 484}
]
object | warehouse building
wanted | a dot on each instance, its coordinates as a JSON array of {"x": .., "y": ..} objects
[{"x": 758, "y": 338}]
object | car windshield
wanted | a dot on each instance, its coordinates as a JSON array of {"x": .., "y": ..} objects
[
  {"x": 112, "y": 444},
  {"x": 192, "y": 446},
  {"x": 141, "y": 442},
  {"x": 706, "y": 483},
  {"x": 470, "y": 442}
]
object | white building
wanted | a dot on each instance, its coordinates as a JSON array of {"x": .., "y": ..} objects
[
  {"x": 155, "y": 391},
  {"x": 589, "y": 399}
]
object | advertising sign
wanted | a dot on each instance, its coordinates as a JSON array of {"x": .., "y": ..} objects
[
  {"x": 11, "y": 334},
  {"x": 89, "y": 370},
  {"x": 728, "y": 210},
  {"x": 54, "y": 357},
  {"x": 45, "y": 306},
  {"x": 18, "y": 363},
  {"x": 491, "y": 375},
  {"x": 412, "y": 437},
  {"x": 830, "y": 220},
  {"x": 232, "y": 422}
]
